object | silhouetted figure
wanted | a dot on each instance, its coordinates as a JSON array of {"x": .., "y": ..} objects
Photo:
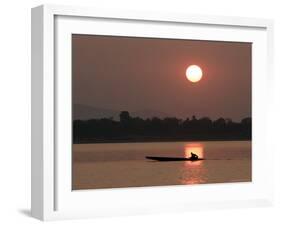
[{"x": 193, "y": 156}]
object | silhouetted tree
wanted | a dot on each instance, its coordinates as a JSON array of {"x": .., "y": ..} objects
[
  {"x": 170, "y": 128},
  {"x": 205, "y": 122},
  {"x": 124, "y": 116},
  {"x": 219, "y": 123},
  {"x": 246, "y": 121}
]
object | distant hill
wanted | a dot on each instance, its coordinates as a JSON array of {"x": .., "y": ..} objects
[
  {"x": 149, "y": 114},
  {"x": 84, "y": 112}
]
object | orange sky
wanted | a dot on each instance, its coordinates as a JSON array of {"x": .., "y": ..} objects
[{"x": 135, "y": 74}]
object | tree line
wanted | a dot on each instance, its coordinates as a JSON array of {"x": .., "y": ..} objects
[{"x": 136, "y": 129}]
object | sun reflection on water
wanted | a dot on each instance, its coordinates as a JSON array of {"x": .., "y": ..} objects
[
  {"x": 194, "y": 172},
  {"x": 196, "y": 148}
]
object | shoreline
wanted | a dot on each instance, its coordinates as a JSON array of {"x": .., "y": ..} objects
[{"x": 158, "y": 140}]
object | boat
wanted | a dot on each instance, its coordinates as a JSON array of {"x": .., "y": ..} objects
[{"x": 166, "y": 159}]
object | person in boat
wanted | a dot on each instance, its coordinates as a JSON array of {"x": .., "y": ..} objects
[{"x": 193, "y": 156}]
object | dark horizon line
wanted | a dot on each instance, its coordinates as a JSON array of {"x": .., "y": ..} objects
[
  {"x": 156, "y": 129},
  {"x": 159, "y": 140},
  {"x": 153, "y": 110},
  {"x": 168, "y": 117}
]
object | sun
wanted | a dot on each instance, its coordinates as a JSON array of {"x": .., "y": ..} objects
[{"x": 194, "y": 73}]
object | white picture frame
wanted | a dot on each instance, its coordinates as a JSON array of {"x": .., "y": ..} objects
[{"x": 52, "y": 197}]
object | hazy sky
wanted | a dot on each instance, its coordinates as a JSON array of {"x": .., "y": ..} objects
[{"x": 136, "y": 74}]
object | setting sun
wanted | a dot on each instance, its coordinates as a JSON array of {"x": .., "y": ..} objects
[{"x": 194, "y": 73}]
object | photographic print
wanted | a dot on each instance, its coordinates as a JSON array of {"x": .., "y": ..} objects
[{"x": 158, "y": 112}]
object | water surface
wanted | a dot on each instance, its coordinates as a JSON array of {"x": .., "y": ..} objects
[{"x": 118, "y": 165}]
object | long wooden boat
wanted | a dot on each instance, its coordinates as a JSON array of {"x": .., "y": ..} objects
[{"x": 172, "y": 158}]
